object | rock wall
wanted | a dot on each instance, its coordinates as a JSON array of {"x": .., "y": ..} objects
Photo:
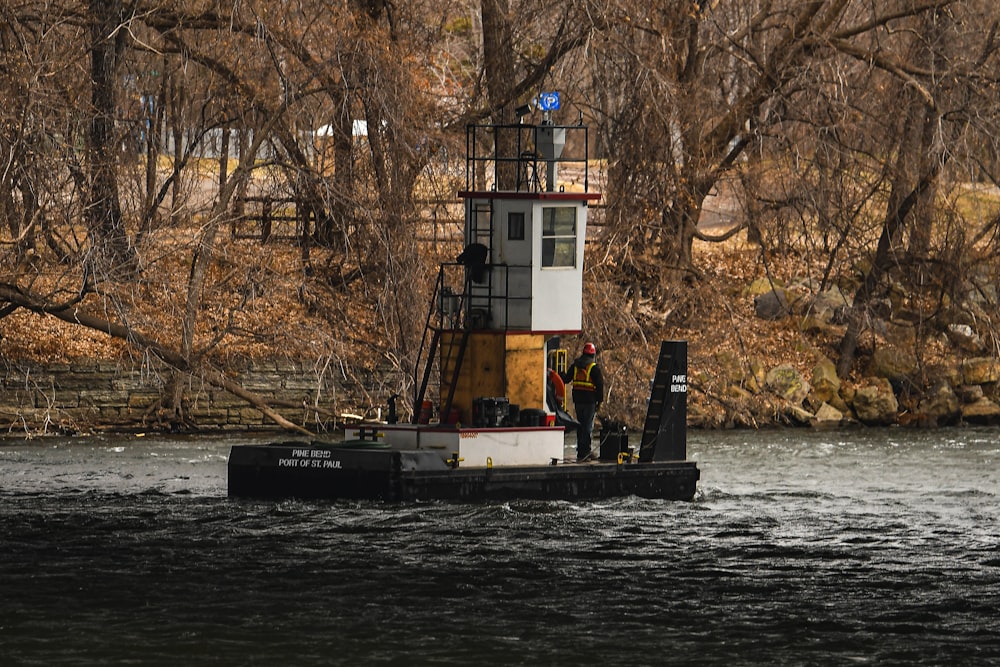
[
  {"x": 888, "y": 394},
  {"x": 107, "y": 395}
]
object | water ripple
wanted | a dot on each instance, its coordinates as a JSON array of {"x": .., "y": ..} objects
[{"x": 795, "y": 552}]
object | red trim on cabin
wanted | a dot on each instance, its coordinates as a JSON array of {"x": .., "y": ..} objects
[
  {"x": 556, "y": 196},
  {"x": 521, "y": 332}
]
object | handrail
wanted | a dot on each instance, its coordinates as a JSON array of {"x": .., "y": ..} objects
[
  {"x": 517, "y": 144},
  {"x": 434, "y": 324}
]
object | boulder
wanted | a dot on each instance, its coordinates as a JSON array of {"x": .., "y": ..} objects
[
  {"x": 839, "y": 403},
  {"x": 786, "y": 381},
  {"x": 755, "y": 381},
  {"x": 893, "y": 364},
  {"x": 945, "y": 371},
  {"x": 745, "y": 373},
  {"x": 981, "y": 370},
  {"x": 941, "y": 406},
  {"x": 762, "y": 286},
  {"x": 969, "y": 393},
  {"x": 825, "y": 383},
  {"x": 964, "y": 338},
  {"x": 875, "y": 404},
  {"x": 799, "y": 295},
  {"x": 827, "y": 415},
  {"x": 983, "y": 411},
  {"x": 771, "y": 305},
  {"x": 797, "y": 415},
  {"x": 847, "y": 392},
  {"x": 804, "y": 283},
  {"x": 831, "y": 304},
  {"x": 817, "y": 323}
]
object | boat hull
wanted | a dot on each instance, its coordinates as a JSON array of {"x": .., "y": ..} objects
[{"x": 310, "y": 472}]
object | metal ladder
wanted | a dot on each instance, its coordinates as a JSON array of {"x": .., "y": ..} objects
[{"x": 451, "y": 370}]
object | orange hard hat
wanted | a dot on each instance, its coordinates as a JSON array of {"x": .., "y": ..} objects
[{"x": 589, "y": 349}]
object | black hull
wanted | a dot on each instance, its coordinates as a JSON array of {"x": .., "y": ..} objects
[{"x": 293, "y": 471}]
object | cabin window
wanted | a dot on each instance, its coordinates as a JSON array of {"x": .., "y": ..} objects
[
  {"x": 515, "y": 226},
  {"x": 558, "y": 236}
]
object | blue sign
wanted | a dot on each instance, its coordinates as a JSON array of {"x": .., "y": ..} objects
[{"x": 548, "y": 101}]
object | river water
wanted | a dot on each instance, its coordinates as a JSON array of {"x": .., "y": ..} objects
[{"x": 801, "y": 548}]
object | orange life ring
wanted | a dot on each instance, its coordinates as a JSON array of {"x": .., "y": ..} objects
[{"x": 558, "y": 387}]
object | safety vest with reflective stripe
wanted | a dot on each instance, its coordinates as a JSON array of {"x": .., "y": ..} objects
[{"x": 581, "y": 378}]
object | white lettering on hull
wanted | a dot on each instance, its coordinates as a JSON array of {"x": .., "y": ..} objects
[{"x": 323, "y": 463}]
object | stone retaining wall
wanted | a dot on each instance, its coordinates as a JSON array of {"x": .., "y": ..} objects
[{"x": 108, "y": 395}]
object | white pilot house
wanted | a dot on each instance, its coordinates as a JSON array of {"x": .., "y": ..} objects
[{"x": 520, "y": 278}]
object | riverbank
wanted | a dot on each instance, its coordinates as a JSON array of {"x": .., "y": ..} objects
[
  {"x": 763, "y": 343},
  {"x": 114, "y": 396}
]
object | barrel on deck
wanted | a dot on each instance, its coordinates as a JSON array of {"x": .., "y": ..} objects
[{"x": 614, "y": 440}]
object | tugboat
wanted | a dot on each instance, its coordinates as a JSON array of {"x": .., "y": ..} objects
[{"x": 491, "y": 342}]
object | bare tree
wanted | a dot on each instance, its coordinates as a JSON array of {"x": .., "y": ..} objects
[{"x": 701, "y": 93}]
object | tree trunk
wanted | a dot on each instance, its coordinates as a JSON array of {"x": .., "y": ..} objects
[
  {"x": 243, "y": 138},
  {"x": 500, "y": 81},
  {"x": 342, "y": 199},
  {"x": 882, "y": 262},
  {"x": 177, "y": 136},
  {"x": 152, "y": 148},
  {"x": 924, "y": 125},
  {"x": 224, "y": 156},
  {"x": 113, "y": 254}
]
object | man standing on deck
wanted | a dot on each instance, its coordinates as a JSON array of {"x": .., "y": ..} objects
[{"x": 588, "y": 394}]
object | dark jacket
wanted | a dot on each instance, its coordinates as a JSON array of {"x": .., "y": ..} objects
[{"x": 596, "y": 378}]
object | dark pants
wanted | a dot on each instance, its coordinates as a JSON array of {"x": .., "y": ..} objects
[{"x": 585, "y": 413}]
